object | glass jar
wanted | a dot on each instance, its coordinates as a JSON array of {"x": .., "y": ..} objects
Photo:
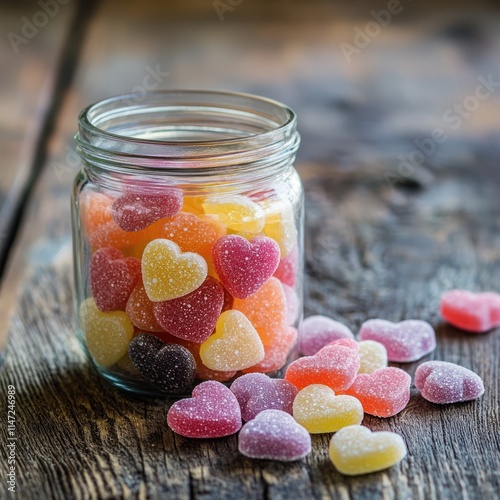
[{"x": 187, "y": 227}]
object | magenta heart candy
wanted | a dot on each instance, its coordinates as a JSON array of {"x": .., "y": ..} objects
[
  {"x": 443, "y": 383},
  {"x": 274, "y": 435},
  {"x": 318, "y": 331},
  {"x": 473, "y": 312},
  {"x": 257, "y": 392},
  {"x": 212, "y": 412},
  {"x": 136, "y": 211},
  {"x": 288, "y": 268},
  {"x": 406, "y": 341},
  {"x": 113, "y": 278},
  {"x": 244, "y": 266},
  {"x": 193, "y": 316}
]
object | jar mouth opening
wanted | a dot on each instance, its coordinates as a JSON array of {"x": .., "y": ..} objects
[{"x": 186, "y": 127}]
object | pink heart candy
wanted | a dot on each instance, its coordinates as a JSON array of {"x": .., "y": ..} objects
[
  {"x": 443, "y": 383},
  {"x": 288, "y": 268},
  {"x": 473, "y": 312},
  {"x": 244, "y": 266},
  {"x": 136, "y": 211},
  {"x": 213, "y": 411},
  {"x": 256, "y": 392},
  {"x": 113, "y": 278},
  {"x": 318, "y": 331},
  {"x": 405, "y": 341}
]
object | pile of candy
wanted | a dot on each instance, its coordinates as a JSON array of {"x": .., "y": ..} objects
[{"x": 189, "y": 287}]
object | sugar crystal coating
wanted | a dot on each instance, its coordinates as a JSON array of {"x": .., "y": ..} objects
[
  {"x": 292, "y": 305},
  {"x": 318, "y": 331},
  {"x": 473, "y": 312},
  {"x": 405, "y": 341},
  {"x": 211, "y": 412},
  {"x": 443, "y": 383},
  {"x": 280, "y": 226},
  {"x": 274, "y": 435},
  {"x": 372, "y": 356},
  {"x": 357, "y": 450},
  {"x": 256, "y": 392},
  {"x": 245, "y": 266},
  {"x": 288, "y": 268},
  {"x": 319, "y": 410},
  {"x": 140, "y": 310}
]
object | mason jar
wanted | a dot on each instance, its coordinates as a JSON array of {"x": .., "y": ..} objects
[{"x": 187, "y": 229}]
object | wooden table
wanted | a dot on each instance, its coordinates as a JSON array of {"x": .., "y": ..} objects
[{"x": 383, "y": 240}]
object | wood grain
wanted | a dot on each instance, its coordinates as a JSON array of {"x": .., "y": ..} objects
[{"x": 373, "y": 249}]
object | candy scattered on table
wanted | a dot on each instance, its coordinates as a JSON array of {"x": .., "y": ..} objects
[
  {"x": 256, "y": 392},
  {"x": 170, "y": 367},
  {"x": 274, "y": 435},
  {"x": 212, "y": 411},
  {"x": 473, "y": 312},
  {"x": 319, "y": 410},
  {"x": 383, "y": 393},
  {"x": 406, "y": 341},
  {"x": 318, "y": 331},
  {"x": 444, "y": 383},
  {"x": 372, "y": 356},
  {"x": 357, "y": 450}
]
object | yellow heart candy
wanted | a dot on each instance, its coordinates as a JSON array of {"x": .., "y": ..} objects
[
  {"x": 107, "y": 334},
  {"x": 234, "y": 346},
  {"x": 356, "y": 450},
  {"x": 280, "y": 226},
  {"x": 372, "y": 356},
  {"x": 238, "y": 213},
  {"x": 318, "y": 409},
  {"x": 168, "y": 273}
]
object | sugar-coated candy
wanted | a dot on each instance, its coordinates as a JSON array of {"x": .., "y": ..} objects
[
  {"x": 136, "y": 211},
  {"x": 318, "y": 331},
  {"x": 288, "y": 268},
  {"x": 256, "y": 392},
  {"x": 266, "y": 309},
  {"x": 319, "y": 410},
  {"x": 405, "y": 341},
  {"x": 193, "y": 204},
  {"x": 113, "y": 278},
  {"x": 140, "y": 310},
  {"x": 372, "y": 356},
  {"x": 168, "y": 273},
  {"x": 336, "y": 366},
  {"x": 245, "y": 266},
  {"x": 170, "y": 367},
  {"x": 280, "y": 226},
  {"x": 356, "y": 450},
  {"x": 382, "y": 393},
  {"x": 473, "y": 312},
  {"x": 292, "y": 305},
  {"x": 235, "y": 345},
  {"x": 443, "y": 383},
  {"x": 211, "y": 412},
  {"x": 274, "y": 435},
  {"x": 236, "y": 212},
  {"x": 107, "y": 334},
  {"x": 193, "y": 316}
]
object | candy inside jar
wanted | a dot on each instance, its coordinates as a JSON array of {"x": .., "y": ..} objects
[{"x": 184, "y": 277}]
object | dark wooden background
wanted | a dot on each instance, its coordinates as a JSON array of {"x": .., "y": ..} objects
[{"x": 374, "y": 247}]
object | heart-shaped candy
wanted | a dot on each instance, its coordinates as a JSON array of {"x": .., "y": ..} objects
[
  {"x": 107, "y": 334},
  {"x": 372, "y": 356},
  {"x": 318, "y": 331},
  {"x": 193, "y": 316},
  {"x": 170, "y": 367},
  {"x": 405, "y": 341},
  {"x": 319, "y": 410},
  {"x": 382, "y": 393},
  {"x": 336, "y": 366},
  {"x": 288, "y": 268},
  {"x": 168, "y": 273},
  {"x": 136, "y": 211},
  {"x": 113, "y": 278},
  {"x": 357, "y": 450},
  {"x": 244, "y": 266},
  {"x": 140, "y": 310},
  {"x": 274, "y": 435},
  {"x": 234, "y": 346},
  {"x": 473, "y": 312},
  {"x": 443, "y": 383},
  {"x": 212, "y": 412},
  {"x": 256, "y": 392},
  {"x": 280, "y": 226}
]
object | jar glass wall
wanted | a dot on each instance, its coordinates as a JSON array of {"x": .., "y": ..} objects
[{"x": 187, "y": 227}]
